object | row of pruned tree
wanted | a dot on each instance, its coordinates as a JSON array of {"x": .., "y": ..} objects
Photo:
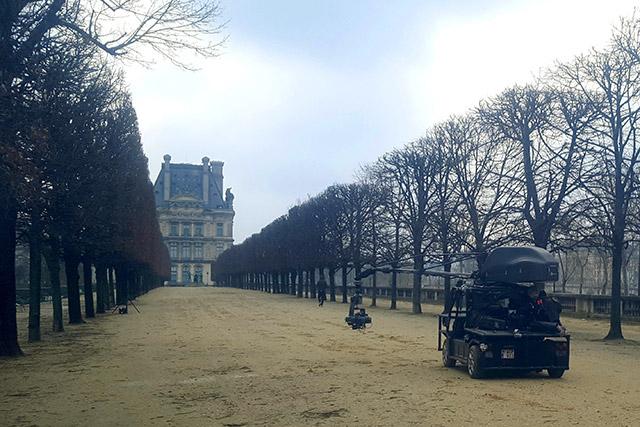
[
  {"x": 552, "y": 163},
  {"x": 74, "y": 178}
]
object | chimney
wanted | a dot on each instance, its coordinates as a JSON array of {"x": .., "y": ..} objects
[
  {"x": 167, "y": 177},
  {"x": 205, "y": 180},
  {"x": 216, "y": 171}
]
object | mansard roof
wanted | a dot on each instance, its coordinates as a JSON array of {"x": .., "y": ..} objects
[{"x": 187, "y": 180}]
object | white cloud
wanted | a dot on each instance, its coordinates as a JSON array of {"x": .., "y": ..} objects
[
  {"x": 467, "y": 58},
  {"x": 287, "y": 123}
]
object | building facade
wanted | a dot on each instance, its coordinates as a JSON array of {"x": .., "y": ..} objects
[{"x": 195, "y": 218}]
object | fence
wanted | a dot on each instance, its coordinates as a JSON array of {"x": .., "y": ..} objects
[
  {"x": 581, "y": 305},
  {"x": 22, "y": 294}
]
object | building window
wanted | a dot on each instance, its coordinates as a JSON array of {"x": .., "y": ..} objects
[
  {"x": 197, "y": 231},
  {"x": 173, "y": 229},
  {"x": 197, "y": 276},
  {"x": 186, "y": 251},
  {"x": 174, "y": 273},
  {"x": 186, "y": 273},
  {"x": 219, "y": 229},
  {"x": 186, "y": 229},
  {"x": 173, "y": 250},
  {"x": 220, "y": 247},
  {"x": 197, "y": 250}
]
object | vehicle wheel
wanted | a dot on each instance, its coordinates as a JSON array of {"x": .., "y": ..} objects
[
  {"x": 447, "y": 361},
  {"x": 473, "y": 363},
  {"x": 555, "y": 372}
]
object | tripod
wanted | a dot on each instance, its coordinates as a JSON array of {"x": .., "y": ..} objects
[{"x": 124, "y": 308}]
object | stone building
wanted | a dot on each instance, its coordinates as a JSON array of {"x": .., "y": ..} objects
[{"x": 196, "y": 219}]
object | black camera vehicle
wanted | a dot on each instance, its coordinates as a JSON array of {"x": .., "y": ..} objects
[{"x": 504, "y": 320}]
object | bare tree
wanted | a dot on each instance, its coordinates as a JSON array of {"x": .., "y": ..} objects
[
  {"x": 391, "y": 233},
  {"x": 412, "y": 171},
  {"x": 119, "y": 28},
  {"x": 484, "y": 169},
  {"x": 447, "y": 221},
  {"x": 523, "y": 115},
  {"x": 610, "y": 81}
]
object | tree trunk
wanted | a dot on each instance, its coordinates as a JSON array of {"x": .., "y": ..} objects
[
  {"x": 89, "y": 310},
  {"x": 562, "y": 270},
  {"x": 625, "y": 271},
  {"x": 374, "y": 279},
  {"x": 71, "y": 263},
  {"x": 132, "y": 284},
  {"x": 299, "y": 283},
  {"x": 8, "y": 325},
  {"x": 394, "y": 265},
  {"x": 289, "y": 283},
  {"x": 112, "y": 287},
  {"x": 374, "y": 289},
  {"x": 122, "y": 285},
  {"x": 52, "y": 258},
  {"x": 605, "y": 267},
  {"x": 446, "y": 262},
  {"x": 279, "y": 279},
  {"x": 102, "y": 297},
  {"x": 615, "y": 321},
  {"x": 332, "y": 284},
  {"x": 582, "y": 267},
  {"x": 283, "y": 282},
  {"x": 418, "y": 265},
  {"x": 344, "y": 285},
  {"x": 394, "y": 289},
  {"x": 312, "y": 283},
  {"x": 35, "y": 277},
  {"x": 286, "y": 282}
]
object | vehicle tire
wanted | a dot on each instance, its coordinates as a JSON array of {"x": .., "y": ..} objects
[
  {"x": 447, "y": 361},
  {"x": 555, "y": 372},
  {"x": 473, "y": 363}
]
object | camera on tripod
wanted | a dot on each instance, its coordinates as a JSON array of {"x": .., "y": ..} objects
[
  {"x": 358, "y": 317},
  {"x": 358, "y": 320}
]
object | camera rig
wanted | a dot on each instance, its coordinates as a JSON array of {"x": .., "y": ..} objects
[
  {"x": 496, "y": 318},
  {"x": 358, "y": 317}
]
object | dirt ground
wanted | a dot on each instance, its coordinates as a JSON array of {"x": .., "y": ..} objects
[{"x": 211, "y": 356}]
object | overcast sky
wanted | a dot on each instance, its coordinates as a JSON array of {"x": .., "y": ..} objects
[{"x": 307, "y": 91}]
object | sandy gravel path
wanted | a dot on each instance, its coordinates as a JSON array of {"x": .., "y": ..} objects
[{"x": 211, "y": 356}]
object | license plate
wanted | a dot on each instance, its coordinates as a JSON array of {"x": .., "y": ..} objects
[{"x": 508, "y": 353}]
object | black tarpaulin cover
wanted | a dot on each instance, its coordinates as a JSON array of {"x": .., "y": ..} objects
[{"x": 519, "y": 264}]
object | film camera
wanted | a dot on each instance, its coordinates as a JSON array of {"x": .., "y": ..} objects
[{"x": 358, "y": 317}]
